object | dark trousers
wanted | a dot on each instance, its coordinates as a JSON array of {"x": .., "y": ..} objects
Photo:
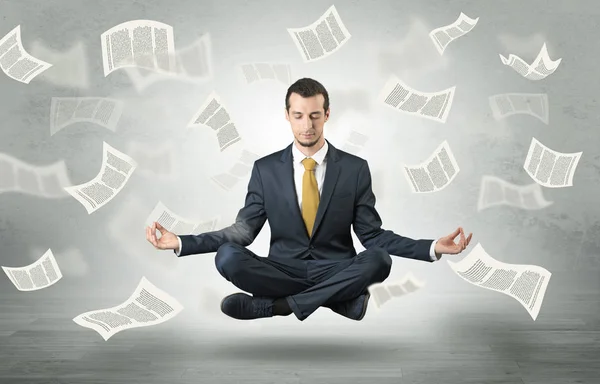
[{"x": 305, "y": 284}]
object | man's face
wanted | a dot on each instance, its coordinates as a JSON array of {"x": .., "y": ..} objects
[{"x": 307, "y": 118}]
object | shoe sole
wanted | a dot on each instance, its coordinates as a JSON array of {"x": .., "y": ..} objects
[
  {"x": 362, "y": 313},
  {"x": 365, "y": 305}
]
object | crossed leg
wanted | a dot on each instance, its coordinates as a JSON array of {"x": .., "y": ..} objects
[
  {"x": 352, "y": 280},
  {"x": 261, "y": 276},
  {"x": 305, "y": 284}
]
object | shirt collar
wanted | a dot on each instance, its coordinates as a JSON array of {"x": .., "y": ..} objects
[{"x": 319, "y": 157}]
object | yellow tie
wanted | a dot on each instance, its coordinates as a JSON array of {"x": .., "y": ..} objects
[{"x": 310, "y": 194}]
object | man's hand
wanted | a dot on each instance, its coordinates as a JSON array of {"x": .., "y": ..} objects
[
  {"x": 447, "y": 245},
  {"x": 168, "y": 240}
]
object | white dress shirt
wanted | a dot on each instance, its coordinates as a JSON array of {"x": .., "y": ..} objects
[
  {"x": 320, "y": 158},
  {"x": 320, "y": 168}
]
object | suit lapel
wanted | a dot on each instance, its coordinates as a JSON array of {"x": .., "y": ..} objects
[
  {"x": 331, "y": 175},
  {"x": 289, "y": 186}
]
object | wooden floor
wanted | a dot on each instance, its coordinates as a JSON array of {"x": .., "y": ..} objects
[{"x": 476, "y": 336}]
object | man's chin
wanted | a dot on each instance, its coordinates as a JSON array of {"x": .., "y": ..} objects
[{"x": 307, "y": 143}]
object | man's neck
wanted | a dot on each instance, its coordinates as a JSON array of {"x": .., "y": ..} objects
[{"x": 309, "y": 151}]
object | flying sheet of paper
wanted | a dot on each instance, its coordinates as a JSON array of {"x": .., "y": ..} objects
[
  {"x": 443, "y": 36},
  {"x": 40, "y": 274},
  {"x": 116, "y": 170},
  {"x": 193, "y": 64},
  {"x": 138, "y": 43},
  {"x": 177, "y": 224},
  {"x": 525, "y": 283},
  {"x": 430, "y": 105},
  {"x": 46, "y": 181},
  {"x": 539, "y": 69},
  {"x": 550, "y": 168},
  {"x": 508, "y": 104},
  {"x": 381, "y": 293},
  {"x": 321, "y": 38},
  {"x": 212, "y": 113},
  {"x": 103, "y": 111},
  {"x": 435, "y": 173},
  {"x": 15, "y": 62},
  {"x": 147, "y": 306},
  {"x": 495, "y": 191},
  {"x": 265, "y": 71}
]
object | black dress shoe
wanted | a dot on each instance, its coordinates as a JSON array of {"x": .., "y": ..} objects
[
  {"x": 245, "y": 307},
  {"x": 354, "y": 309}
]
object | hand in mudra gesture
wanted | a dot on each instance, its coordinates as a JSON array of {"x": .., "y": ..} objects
[
  {"x": 447, "y": 245},
  {"x": 167, "y": 240}
]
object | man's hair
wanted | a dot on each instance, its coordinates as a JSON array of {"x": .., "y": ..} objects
[{"x": 306, "y": 87}]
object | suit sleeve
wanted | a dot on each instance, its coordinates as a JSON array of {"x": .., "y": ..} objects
[
  {"x": 248, "y": 223},
  {"x": 367, "y": 225}
]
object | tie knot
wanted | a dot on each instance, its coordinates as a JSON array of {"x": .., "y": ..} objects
[{"x": 309, "y": 164}]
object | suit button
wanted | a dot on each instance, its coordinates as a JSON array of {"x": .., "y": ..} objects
[{"x": 312, "y": 247}]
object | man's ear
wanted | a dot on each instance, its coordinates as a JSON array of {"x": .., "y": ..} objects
[
  {"x": 287, "y": 114},
  {"x": 327, "y": 114}
]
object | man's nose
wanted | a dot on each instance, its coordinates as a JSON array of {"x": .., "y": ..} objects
[{"x": 307, "y": 123}]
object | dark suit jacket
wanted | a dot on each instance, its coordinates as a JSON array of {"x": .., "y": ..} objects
[{"x": 347, "y": 200}]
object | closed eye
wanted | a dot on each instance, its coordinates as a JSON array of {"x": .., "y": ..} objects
[{"x": 316, "y": 116}]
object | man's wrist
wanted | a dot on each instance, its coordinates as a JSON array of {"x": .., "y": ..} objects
[
  {"x": 179, "y": 246},
  {"x": 437, "y": 253}
]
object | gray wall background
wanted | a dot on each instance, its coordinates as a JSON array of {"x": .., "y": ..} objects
[{"x": 388, "y": 37}]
